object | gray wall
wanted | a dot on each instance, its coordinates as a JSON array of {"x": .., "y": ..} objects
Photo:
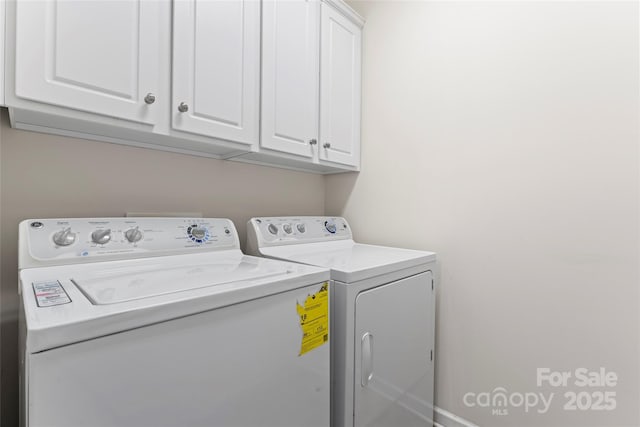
[
  {"x": 45, "y": 176},
  {"x": 504, "y": 136}
]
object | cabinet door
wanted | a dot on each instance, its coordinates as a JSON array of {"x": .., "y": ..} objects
[
  {"x": 216, "y": 68},
  {"x": 290, "y": 53},
  {"x": 393, "y": 366},
  {"x": 339, "y": 88},
  {"x": 98, "y": 56}
]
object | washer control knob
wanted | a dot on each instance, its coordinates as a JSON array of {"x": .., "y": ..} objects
[
  {"x": 101, "y": 236},
  {"x": 330, "y": 226},
  {"x": 273, "y": 229},
  {"x": 287, "y": 228},
  {"x": 301, "y": 228},
  {"x": 64, "y": 237},
  {"x": 198, "y": 232},
  {"x": 133, "y": 235}
]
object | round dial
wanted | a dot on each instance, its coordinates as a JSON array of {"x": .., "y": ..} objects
[
  {"x": 198, "y": 233},
  {"x": 330, "y": 226},
  {"x": 101, "y": 236},
  {"x": 287, "y": 228},
  {"x": 133, "y": 235},
  {"x": 64, "y": 237},
  {"x": 273, "y": 229},
  {"x": 301, "y": 228}
]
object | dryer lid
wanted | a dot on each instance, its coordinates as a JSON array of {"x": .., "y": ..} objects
[{"x": 349, "y": 261}]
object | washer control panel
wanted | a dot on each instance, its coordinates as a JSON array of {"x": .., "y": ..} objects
[
  {"x": 101, "y": 237},
  {"x": 305, "y": 229}
]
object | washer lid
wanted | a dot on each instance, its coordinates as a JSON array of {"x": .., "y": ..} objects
[
  {"x": 349, "y": 261},
  {"x": 72, "y": 303},
  {"x": 112, "y": 284}
]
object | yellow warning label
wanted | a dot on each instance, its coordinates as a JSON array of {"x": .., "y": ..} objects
[{"x": 314, "y": 319}]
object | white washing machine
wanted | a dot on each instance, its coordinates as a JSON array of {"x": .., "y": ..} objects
[
  {"x": 382, "y": 318},
  {"x": 134, "y": 322}
]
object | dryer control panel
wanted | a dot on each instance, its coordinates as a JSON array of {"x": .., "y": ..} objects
[
  {"x": 126, "y": 237},
  {"x": 273, "y": 231}
]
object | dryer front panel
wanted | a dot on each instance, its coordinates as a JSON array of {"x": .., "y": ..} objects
[{"x": 393, "y": 354}]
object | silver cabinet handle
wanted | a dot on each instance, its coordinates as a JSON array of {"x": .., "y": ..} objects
[
  {"x": 367, "y": 359},
  {"x": 183, "y": 108},
  {"x": 313, "y": 141},
  {"x": 150, "y": 98},
  {"x": 326, "y": 145}
]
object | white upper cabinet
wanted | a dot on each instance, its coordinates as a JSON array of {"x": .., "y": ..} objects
[
  {"x": 94, "y": 56},
  {"x": 340, "y": 64},
  {"x": 216, "y": 68},
  {"x": 290, "y": 57},
  {"x": 311, "y": 55},
  {"x": 273, "y": 82}
]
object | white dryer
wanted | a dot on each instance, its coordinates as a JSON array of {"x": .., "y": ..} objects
[
  {"x": 135, "y": 322},
  {"x": 382, "y": 318}
]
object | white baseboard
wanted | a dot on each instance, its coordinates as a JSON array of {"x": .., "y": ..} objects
[{"x": 445, "y": 418}]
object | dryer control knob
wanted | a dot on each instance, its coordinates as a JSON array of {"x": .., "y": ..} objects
[
  {"x": 101, "y": 236},
  {"x": 198, "y": 232},
  {"x": 287, "y": 228},
  {"x": 301, "y": 228},
  {"x": 330, "y": 226},
  {"x": 64, "y": 237},
  {"x": 273, "y": 229},
  {"x": 133, "y": 235}
]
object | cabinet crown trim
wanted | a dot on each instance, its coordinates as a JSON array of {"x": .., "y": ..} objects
[{"x": 347, "y": 11}]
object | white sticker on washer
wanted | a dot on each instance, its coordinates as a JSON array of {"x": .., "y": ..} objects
[{"x": 50, "y": 293}]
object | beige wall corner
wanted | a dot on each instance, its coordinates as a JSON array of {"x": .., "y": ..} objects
[{"x": 504, "y": 136}]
